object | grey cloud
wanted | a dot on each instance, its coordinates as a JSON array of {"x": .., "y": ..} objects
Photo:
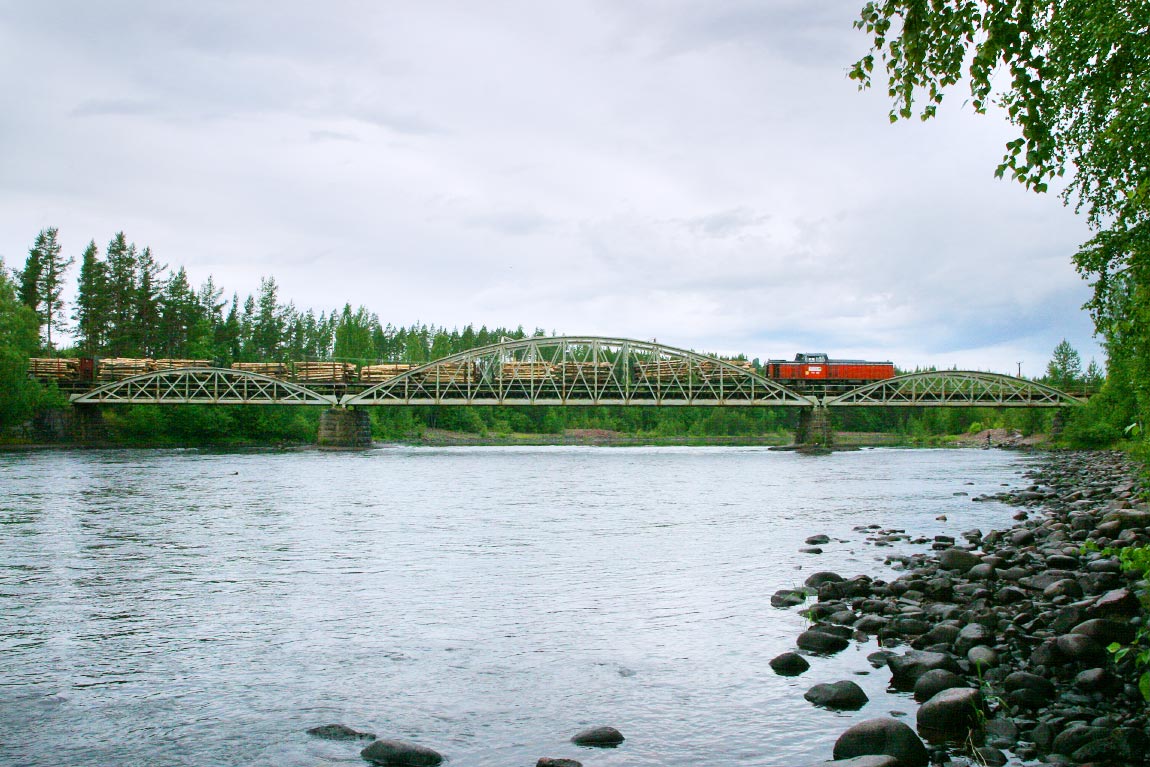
[
  {"x": 331, "y": 135},
  {"x": 512, "y": 223},
  {"x": 116, "y": 107}
]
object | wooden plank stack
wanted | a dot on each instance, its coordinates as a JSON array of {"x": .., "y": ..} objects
[
  {"x": 54, "y": 369},
  {"x": 372, "y": 374},
  {"x": 322, "y": 372},
  {"x": 271, "y": 369},
  {"x": 525, "y": 371},
  {"x": 119, "y": 368}
]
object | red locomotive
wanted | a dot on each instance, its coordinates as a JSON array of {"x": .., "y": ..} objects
[{"x": 819, "y": 368}]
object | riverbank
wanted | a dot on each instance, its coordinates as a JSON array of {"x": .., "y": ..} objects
[{"x": 1002, "y": 636}]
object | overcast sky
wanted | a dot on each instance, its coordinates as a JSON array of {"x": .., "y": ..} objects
[{"x": 703, "y": 173}]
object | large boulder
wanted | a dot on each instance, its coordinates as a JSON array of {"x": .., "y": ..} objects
[
  {"x": 933, "y": 682},
  {"x": 882, "y": 736},
  {"x": 951, "y": 713},
  {"x": 958, "y": 559},
  {"x": 789, "y": 664},
  {"x": 400, "y": 753},
  {"x": 820, "y": 640},
  {"x": 838, "y": 696},
  {"x": 1104, "y": 631},
  {"x": 907, "y": 668},
  {"x": 818, "y": 579},
  {"x": 598, "y": 736}
]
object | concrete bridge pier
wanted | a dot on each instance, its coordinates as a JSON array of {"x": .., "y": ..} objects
[
  {"x": 814, "y": 427},
  {"x": 341, "y": 427}
]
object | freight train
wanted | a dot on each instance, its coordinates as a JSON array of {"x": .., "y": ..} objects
[{"x": 805, "y": 371}]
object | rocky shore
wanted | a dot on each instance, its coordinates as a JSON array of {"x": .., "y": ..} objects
[{"x": 1001, "y": 636}]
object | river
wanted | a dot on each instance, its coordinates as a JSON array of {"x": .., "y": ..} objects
[{"x": 205, "y": 609}]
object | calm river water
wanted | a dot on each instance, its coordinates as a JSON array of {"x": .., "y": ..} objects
[{"x": 184, "y": 608}]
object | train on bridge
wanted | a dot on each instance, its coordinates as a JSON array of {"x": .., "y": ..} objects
[{"x": 805, "y": 371}]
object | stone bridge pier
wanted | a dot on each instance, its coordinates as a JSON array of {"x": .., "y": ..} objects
[
  {"x": 343, "y": 427},
  {"x": 814, "y": 427}
]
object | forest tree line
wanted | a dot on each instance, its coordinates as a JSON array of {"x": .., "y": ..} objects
[{"x": 129, "y": 304}]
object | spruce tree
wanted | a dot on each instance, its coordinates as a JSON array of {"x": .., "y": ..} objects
[
  {"x": 91, "y": 314},
  {"x": 121, "y": 293},
  {"x": 149, "y": 284}
]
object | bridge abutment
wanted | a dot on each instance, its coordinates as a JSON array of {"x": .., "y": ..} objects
[
  {"x": 814, "y": 427},
  {"x": 340, "y": 427}
]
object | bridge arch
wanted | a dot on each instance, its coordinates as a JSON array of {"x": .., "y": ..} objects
[
  {"x": 214, "y": 386},
  {"x": 954, "y": 388},
  {"x": 579, "y": 370}
]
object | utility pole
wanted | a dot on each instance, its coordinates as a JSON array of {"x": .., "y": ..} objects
[{"x": 1020, "y": 370}]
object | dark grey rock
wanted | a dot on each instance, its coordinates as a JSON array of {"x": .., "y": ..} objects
[
  {"x": 1104, "y": 631},
  {"x": 1119, "y": 603},
  {"x": 1081, "y": 648},
  {"x": 339, "y": 732},
  {"x": 1076, "y": 736},
  {"x": 958, "y": 559},
  {"x": 818, "y": 540},
  {"x": 838, "y": 696},
  {"x": 1024, "y": 680},
  {"x": 787, "y": 598},
  {"x": 818, "y": 579},
  {"x": 549, "y": 762},
  {"x": 983, "y": 658},
  {"x": 598, "y": 736},
  {"x": 882, "y": 736},
  {"x": 400, "y": 753},
  {"x": 990, "y": 756},
  {"x": 933, "y": 682},
  {"x": 950, "y": 713},
  {"x": 907, "y": 668},
  {"x": 972, "y": 634},
  {"x": 820, "y": 640},
  {"x": 789, "y": 664}
]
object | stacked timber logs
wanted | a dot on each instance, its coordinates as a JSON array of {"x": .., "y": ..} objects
[
  {"x": 174, "y": 364},
  {"x": 322, "y": 372},
  {"x": 372, "y": 374},
  {"x": 119, "y": 368},
  {"x": 591, "y": 372},
  {"x": 663, "y": 370},
  {"x": 525, "y": 371},
  {"x": 54, "y": 369},
  {"x": 270, "y": 369},
  {"x": 449, "y": 373}
]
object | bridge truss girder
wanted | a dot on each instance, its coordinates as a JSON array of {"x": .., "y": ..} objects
[
  {"x": 204, "y": 386},
  {"x": 953, "y": 388},
  {"x": 580, "y": 371}
]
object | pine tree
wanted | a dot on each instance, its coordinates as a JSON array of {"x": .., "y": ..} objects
[{"x": 91, "y": 314}]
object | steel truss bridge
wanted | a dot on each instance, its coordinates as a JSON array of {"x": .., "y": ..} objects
[{"x": 576, "y": 371}]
